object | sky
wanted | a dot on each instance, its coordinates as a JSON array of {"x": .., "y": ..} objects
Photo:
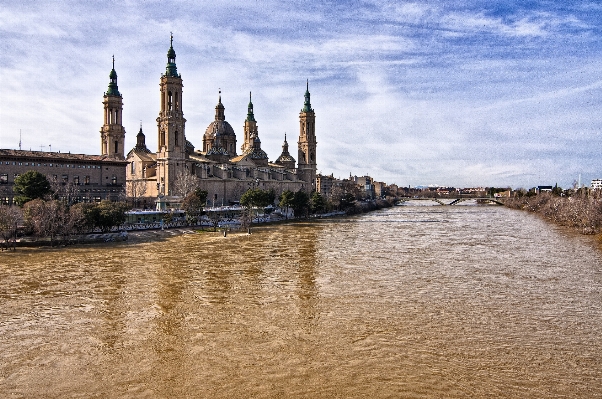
[{"x": 454, "y": 93}]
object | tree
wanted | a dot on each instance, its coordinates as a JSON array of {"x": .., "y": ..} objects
[
  {"x": 10, "y": 217},
  {"x": 185, "y": 183},
  {"x": 286, "y": 200},
  {"x": 47, "y": 218},
  {"x": 194, "y": 203},
  {"x": 135, "y": 189},
  {"x": 254, "y": 198},
  {"x": 347, "y": 201},
  {"x": 82, "y": 217},
  {"x": 300, "y": 203},
  {"x": 110, "y": 214},
  {"x": 317, "y": 203},
  {"x": 31, "y": 185}
]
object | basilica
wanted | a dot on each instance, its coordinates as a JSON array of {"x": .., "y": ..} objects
[{"x": 161, "y": 178}]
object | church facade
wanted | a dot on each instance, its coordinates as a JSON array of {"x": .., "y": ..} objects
[{"x": 164, "y": 176}]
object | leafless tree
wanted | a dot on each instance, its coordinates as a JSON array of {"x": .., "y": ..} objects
[
  {"x": 185, "y": 183},
  {"x": 135, "y": 189},
  {"x": 47, "y": 218},
  {"x": 64, "y": 191},
  {"x": 10, "y": 217}
]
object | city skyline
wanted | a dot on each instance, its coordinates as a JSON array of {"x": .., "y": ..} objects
[{"x": 465, "y": 94}]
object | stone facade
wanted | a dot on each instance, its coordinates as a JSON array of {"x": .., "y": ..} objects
[
  {"x": 93, "y": 177},
  {"x": 88, "y": 177},
  {"x": 177, "y": 168}
]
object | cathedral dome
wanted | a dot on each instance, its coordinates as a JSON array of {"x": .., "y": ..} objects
[{"x": 219, "y": 128}]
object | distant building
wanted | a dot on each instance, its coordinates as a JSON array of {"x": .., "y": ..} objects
[
  {"x": 596, "y": 184},
  {"x": 543, "y": 189},
  {"x": 91, "y": 178}
]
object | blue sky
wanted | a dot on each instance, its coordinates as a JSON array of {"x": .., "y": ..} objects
[{"x": 462, "y": 93}]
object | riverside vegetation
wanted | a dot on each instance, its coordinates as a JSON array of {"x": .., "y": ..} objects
[
  {"x": 579, "y": 209},
  {"x": 48, "y": 212}
]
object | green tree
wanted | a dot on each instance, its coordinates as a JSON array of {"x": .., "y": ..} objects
[
  {"x": 253, "y": 198},
  {"x": 317, "y": 203},
  {"x": 347, "y": 201},
  {"x": 83, "y": 217},
  {"x": 286, "y": 200},
  {"x": 256, "y": 198},
  {"x": 110, "y": 214},
  {"x": 300, "y": 203},
  {"x": 194, "y": 203},
  {"x": 31, "y": 185}
]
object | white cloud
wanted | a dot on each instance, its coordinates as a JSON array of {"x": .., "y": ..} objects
[{"x": 412, "y": 93}]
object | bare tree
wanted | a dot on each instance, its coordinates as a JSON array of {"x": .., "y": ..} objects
[
  {"x": 10, "y": 217},
  {"x": 47, "y": 218},
  {"x": 135, "y": 189},
  {"x": 185, "y": 183},
  {"x": 64, "y": 191}
]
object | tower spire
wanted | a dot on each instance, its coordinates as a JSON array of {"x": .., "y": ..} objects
[
  {"x": 171, "y": 69},
  {"x": 113, "y": 90},
  {"x": 250, "y": 116},
  {"x": 307, "y": 104}
]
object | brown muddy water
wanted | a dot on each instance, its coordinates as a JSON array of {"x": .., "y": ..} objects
[{"x": 409, "y": 302}]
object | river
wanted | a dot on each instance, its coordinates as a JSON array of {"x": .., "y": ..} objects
[{"x": 413, "y": 301}]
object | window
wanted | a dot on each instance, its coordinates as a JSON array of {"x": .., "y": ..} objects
[
  {"x": 4, "y": 178},
  {"x": 116, "y": 146},
  {"x": 65, "y": 178},
  {"x": 114, "y": 180},
  {"x": 76, "y": 180},
  {"x": 133, "y": 168},
  {"x": 176, "y": 138},
  {"x": 87, "y": 180}
]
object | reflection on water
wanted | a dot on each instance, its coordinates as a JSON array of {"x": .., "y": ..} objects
[{"x": 408, "y": 302}]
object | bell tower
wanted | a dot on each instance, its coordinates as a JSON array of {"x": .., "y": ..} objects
[
  {"x": 112, "y": 133},
  {"x": 250, "y": 129},
  {"x": 307, "y": 165},
  {"x": 171, "y": 152}
]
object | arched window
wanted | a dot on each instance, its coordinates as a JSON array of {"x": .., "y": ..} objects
[
  {"x": 176, "y": 139},
  {"x": 162, "y": 138},
  {"x": 169, "y": 101}
]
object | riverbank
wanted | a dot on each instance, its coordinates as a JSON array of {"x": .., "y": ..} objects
[
  {"x": 582, "y": 213},
  {"x": 155, "y": 233}
]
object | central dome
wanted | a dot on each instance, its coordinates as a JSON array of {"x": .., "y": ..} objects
[{"x": 219, "y": 128}]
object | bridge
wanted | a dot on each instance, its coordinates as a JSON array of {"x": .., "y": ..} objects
[{"x": 454, "y": 201}]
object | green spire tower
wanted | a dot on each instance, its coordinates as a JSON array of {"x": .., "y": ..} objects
[{"x": 112, "y": 133}]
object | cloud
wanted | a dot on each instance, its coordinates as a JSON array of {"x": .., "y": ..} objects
[{"x": 457, "y": 93}]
